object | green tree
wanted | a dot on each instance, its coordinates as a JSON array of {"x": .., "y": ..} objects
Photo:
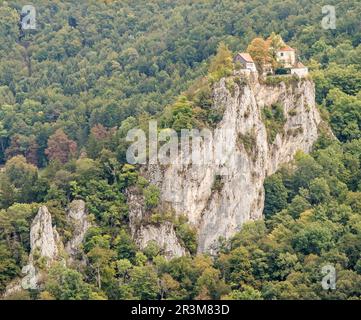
[
  {"x": 248, "y": 293},
  {"x": 313, "y": 238},
  {"x": 22, "y": 176},
  {"x": 222, "y": 64},
  {"x": 276, "y": 195},
  {"x": 67, "y": 284},
  {"x": 319, "y": 190},
  {"x": 100, "y": 262},
  {"x": 144, "y": 282},
  {"x": 151, "y": 195}
]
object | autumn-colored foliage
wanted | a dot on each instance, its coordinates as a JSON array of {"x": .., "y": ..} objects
[
  {"x": 60, "y": 147},
  {"x": 23, "y": 145},
  {"x": 258, "y": 49}
]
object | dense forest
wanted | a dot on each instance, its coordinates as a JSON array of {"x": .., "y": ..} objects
[{"x": 70, "y": 91}]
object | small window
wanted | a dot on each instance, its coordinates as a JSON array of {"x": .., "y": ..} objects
[{"x": 281, "y": 54}]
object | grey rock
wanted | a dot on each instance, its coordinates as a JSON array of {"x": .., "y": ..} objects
[
  {"x": 45, "y": 244},
  {"x": 77, "y": 215}
]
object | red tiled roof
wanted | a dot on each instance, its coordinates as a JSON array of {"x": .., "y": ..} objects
[
  {"x": 287, "y": 48},
  {"x": 246, "y": 56}
]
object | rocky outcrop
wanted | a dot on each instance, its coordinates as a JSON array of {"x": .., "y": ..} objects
[
  {"x": 77, "y": 216},
  {"x": 162, "y": 234},
  {"x": 45, "y": 245},
  {"x": 218, "y": 198},
  {"x": 43, "y": 236}
]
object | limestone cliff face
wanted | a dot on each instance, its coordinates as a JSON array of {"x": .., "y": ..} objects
[
  {"x": 163, "y": 234},
  {"x": 43, "y": 236},
  {"x": 165, "y": 237},
  {"x": 44, "y": 244},
  {"x": 78, "y": 217},
  {"x": 239, "y": 195}
]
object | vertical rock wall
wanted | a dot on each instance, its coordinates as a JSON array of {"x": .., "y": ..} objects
[{"x": 239, "y": 196}]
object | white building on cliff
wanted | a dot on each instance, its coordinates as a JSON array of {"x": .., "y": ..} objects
[
  {"x": 282, "y": 60},
  {"x": 246, "y": 61}
]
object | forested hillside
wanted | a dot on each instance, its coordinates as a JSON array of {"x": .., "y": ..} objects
[{"x": 70, "y": 91}]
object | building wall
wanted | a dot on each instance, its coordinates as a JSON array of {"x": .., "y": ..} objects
[
  {"x": 251, "y": 66},
  {"x": 247, "y": 65},
  {"x": 267, "y": 69},
  {"x": 286, "y": 57},
  {"x": 242, "y": 73},
  {"x": 301, "y": 72},
  {"x": 239, "y": 59}
]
